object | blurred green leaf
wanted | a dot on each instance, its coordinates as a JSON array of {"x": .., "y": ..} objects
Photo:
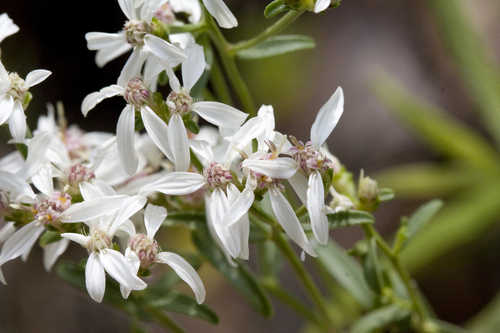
[
  {"x": 420, "y": 218},
  {"x": 180, "y": 303},
  {"x": 277, "y": 45},
  {"x": 346, "y": 271},
  {"x": 239, "y": 276},
  {"x": 385, "y": 194},
  {"x": 187, "y": 219},
  {"x": 379, "y": 319},
  {"x": 425, "y": 179},
  {"x": 349, "y": 218},
  {"x": 372, "y": 269},
  {"x": 437, "y": 128},
  {"x": 49, "y": 237},
  {"x": 270, "y": 260},
  {"x": 444, "y": 327},
  {"x": 275, "y": 8},
  {"x": 462, "y": 220},
  {"x": 475, "y": 62}
]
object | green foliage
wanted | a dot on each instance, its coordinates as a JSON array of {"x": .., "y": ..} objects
[
  {"x": 277, "y": 45},
  {"x": 380, "y": 319},
  {"x": 349, "y": 218},
  {"x": 49, "y": 237},
  {"x": 275, "y": 8}
]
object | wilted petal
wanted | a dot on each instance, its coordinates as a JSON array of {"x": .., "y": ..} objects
[
  {"x": 157, "y": 131},
  {"x": 176, "y": 183},
  {"x": 280, "y": 167},
  {"x": 20, "y": 242},
  {"x": 153, "y": 218},
  {"x": 179, "y": 143},
  {"x": 221, "y": 13},
  {"x": 120, "y": 269},
  {"x": 327, "y": 118},
  {"x": 52, "y": 252},
  {"x": 288, "y": 220},
  {"x": 125, "y": 139},
  {"x": 35, "y": 77},
  {"x": 17, "y": 123},
  {"x": 95, "y": 280},
  {"x": 186, "y": 272},
  {"x": 220, "y": 114},
  {"x": 315, "y": 205}
]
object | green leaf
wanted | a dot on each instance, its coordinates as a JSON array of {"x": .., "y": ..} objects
[
  {"x": 239, "y": 276},
  {"x": 372, "y": 269},
  {"x": 277, "y": 45},
  {"x": 385, "y": 194},
  {"x": 445, "y": 134},
  {"x": 275, "y": 8},
  {"x": 475, "y": 62},
  {"x": 426, "y": 179},
  {"x": 190, "y": 220},
  {"x": 346, "y": 271},
  {"x": 49, "y": 237},
  {"x": 463, "y": 220},
  {"x": 180, "y": 303},
  {"x": 270, "y": 260},
  {"x": 349, "y": 218},
  {"x": 379, "y": 319}
]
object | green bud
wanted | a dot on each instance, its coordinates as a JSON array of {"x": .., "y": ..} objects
[
  {"x": 367, "y": 189},
  {"x": 300, "y": 4}
]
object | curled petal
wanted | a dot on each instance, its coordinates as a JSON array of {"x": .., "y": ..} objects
[{"x": 35, "y": 77}]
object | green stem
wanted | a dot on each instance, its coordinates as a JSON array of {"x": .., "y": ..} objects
[
  {"x": 219, "y": 83},
  {"x": 296, "y": 305},
  {"x": 199, "y": 27},
  {"x": 402, "y": 272},
  {"x": 165, "y": 321},
  {"x": 233, "y": 74},
  {"x": 276, "y": 28}
]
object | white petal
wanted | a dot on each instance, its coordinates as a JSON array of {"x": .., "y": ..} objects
[
  {"x": 6, "y": 231},
  {"x": 288, "y": 220},
  {"x": 176, "y": 183},
  {"x": 125, "y": 139},
  {"x": 95, "y": 280},
  {"x": 120, "y": 269},
  {"x": 18, "y": 188},
  {"x": 202, "y": 150},
  {"x": 153, "y": 218},
  {"x": 20, "y": 242},
  {"x": 77, "y": 238},
  {"x": 157, "y": 131},
  {"x": 220, "y": 114},
  {"x": 299, "y": 185},
  {"x": 92, "y": 209},
  {"x": 280, "y": 167},
  {"x": 170, "y": 54},
  {"x": 135, "y": 262},
  {"x": 250, "y": 130},
  {"x": 173, "y": 81},
  {"x": 179, "y": 143},
  {"x": 35, "y": 77},
  {"x": 17, "y": 123},
  {"x": 315, "y": 205},
  {"x": 91, "y": 100},
  {"x": 132, "y": 67},
  {"x": 194, "y": 66},
  {"x": 2, "y": 277},
  {"x": 52, "y": 252},
  {"x": 103, "y": 40},
  {"x": 6, "y": 108},
  {"x": 239, "y": 207},
  {"x": 104, "y": 56},
  {"x": 321, "y": 5},
  {"x": 221, "y": 13},
  {"x": 128, "y": 8},
  {"x": 327, "y": 118},
  {"x": 7, "y": 26},
  {"x": 43, "y": 180},
  {"x": 186, "y": 272},
  {"x": 129, "y": 207}
]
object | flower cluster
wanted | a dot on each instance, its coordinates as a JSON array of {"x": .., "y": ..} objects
[{"x": 110, "y": 194}]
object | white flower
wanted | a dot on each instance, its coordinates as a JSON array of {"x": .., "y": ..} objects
[
  {"x": 13, "y": 93},
  {"x": 7, "y": 27},
  {"x": 143, "y": 251},
  {"x": 222, "y": 14},
  {"x": 137, "y": 36},
  {"x": 104, "y": 213}
]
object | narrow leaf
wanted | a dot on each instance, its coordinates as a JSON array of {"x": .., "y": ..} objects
[
  {"x": 421, "y": 217},
  {"x": 349, "y": 218},
  {"x": 379, "y": 319},
  {"x": 180, "y": 303},
  {"x": 275, "y": 8},
  {"x": 277, "y": 45}
]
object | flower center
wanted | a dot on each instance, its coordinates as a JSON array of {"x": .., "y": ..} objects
[
  {"x": 17, "y": 89},
  {"x": 309, "y": 158},
  {"x": 146, "y": 249},
  {"x": 48, "y": 211},
  {"x": 73, "y": 139},
  {"x": 135, "y": 31},
  {"x": 165, "y": 14},
  {"x": 217, "y": 176},
  {"x": 98, "y": 241},
  {"x": 179, "y": 102},
  {"x": 79, "y": 173},
  {"x": 137, "y": 93}
]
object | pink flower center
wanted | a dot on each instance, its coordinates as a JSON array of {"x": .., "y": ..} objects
[{"x": 146, "y": 249}]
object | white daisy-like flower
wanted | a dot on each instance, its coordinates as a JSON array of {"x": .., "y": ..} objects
[
  {"x": 136, "y": 35},
  {"x": 143, "y": 251},
  {"x": 7, "y": 26},
  {"x": 13, "y": 94}
]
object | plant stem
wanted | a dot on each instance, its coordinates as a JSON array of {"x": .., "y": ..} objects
[
  {"x": 164, "y": 320},
  {"x": 233, "y": 74},
  {"x": 402, "y": 272},
  {"x": 277, "y": 27},
  {"x": 174, "y": 29},
  {"x": 219, "y": 83}
]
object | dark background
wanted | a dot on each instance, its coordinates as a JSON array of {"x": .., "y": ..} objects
[{"x": 354, "y": 41}]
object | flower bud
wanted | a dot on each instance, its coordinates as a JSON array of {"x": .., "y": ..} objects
[
  {"x": 146, "y": 249},
  {"x": 137, "y": 93},
  {"x": 367, "y": 189}
]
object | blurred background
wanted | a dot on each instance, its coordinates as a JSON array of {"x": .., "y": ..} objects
[{"x": 414, "y": 42}]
